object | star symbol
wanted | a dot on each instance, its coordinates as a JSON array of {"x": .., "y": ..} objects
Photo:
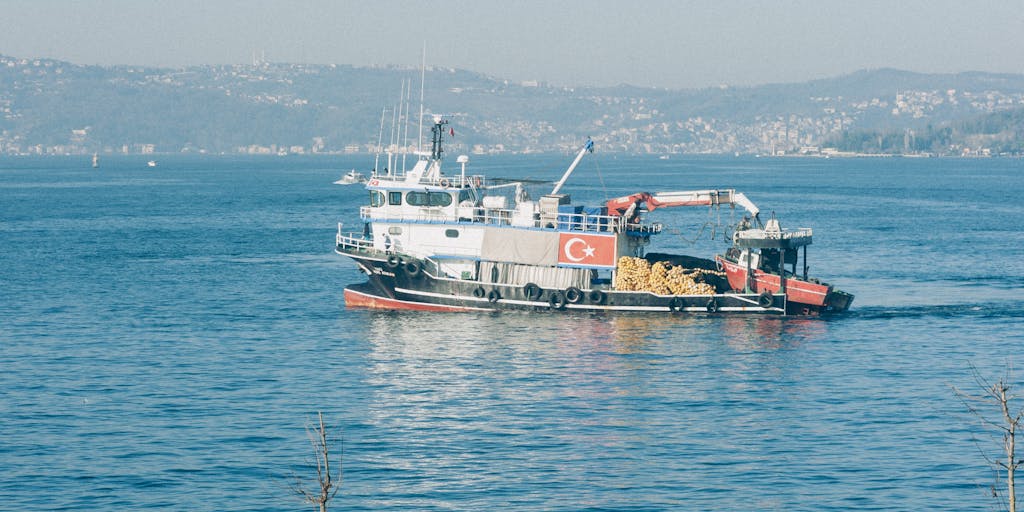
[{"x": 588, "y": 252}]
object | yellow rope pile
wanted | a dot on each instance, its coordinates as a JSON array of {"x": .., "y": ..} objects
[{"x": 636, "y": 274}]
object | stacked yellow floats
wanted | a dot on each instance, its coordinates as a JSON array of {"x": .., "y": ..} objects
[{"x": 639, "y": 275}]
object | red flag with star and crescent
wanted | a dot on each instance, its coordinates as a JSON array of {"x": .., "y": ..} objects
[{"x": 586, "y": 250}]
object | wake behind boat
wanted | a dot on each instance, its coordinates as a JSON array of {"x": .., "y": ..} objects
[{"x": 437, "y": 242}]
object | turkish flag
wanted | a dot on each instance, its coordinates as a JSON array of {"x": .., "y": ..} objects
[{"x": 586, "y": 250}]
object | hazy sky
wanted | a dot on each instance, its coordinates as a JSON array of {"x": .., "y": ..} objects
[{"x": 663, "y": 43}]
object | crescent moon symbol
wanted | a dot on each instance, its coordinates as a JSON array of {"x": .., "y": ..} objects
[{"x": 568, "y": 249}]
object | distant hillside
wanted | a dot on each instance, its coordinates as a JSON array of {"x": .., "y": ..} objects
[
  {"x": 51, "y": 106},
  {"x": 998, "y": 133}
]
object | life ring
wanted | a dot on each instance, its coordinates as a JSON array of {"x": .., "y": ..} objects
[
  {"x": 712, "y": 306},
  {"x": 493, "y": 296},
  {"x": 556, "y": 300},
  {"x": 393, "y": 261},
  {"x": 413, "y": 269},
  {"x": 765, "y": 300},
  {"x": 445, "y": 183},
  {"x": 675, "y": 304},
  {"x": 573, "y": 295},
  {"x": 596, "y": 297},
  {"x": 479, "y": 292},
  {"x": 532, "y": 291}
]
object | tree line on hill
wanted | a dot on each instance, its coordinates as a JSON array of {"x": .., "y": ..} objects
[{"x": 998, "y": 133}]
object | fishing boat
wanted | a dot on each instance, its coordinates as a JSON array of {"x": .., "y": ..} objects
[
  {"x": 436, "y": 241},
  {"x": 351, "y": 178}
]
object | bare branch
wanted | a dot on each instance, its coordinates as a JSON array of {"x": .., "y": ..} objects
[
  {"x": 328, "y": 489},
  {"x": 997, "y": 395}
]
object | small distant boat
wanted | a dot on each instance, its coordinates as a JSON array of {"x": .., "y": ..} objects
[
  {"x": 95, "y": 160},
  {"x": 351, "y": 178},
  {"x": 151, "y": 163}
]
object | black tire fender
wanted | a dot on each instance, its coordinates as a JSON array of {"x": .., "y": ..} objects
[
  {"x": 532, "y": 291},
  {"x": 573, "y": 295},
  {"x": 765, "y": 300},
  {"x": 556, "y": 300},
  {"x": 413, "y": 269}
]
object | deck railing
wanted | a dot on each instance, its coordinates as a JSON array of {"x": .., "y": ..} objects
[
  {"x": 353, "y": 242},
  {"x": 476, "y": 180},
  {"x": 784, "y": 234},
  {"x": 508, "y": 217}
]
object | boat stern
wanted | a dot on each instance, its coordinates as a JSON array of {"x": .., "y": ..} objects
[{"x": 838, "y": 301}]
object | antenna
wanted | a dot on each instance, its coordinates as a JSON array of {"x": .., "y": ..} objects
[
  {"x": 402, "y": 113},
  {"x": 423, "y": 74},
  {"x": 394, "y": 116},
  {"x": 380, "y": 137},
  {"x": 405, "y": 140}
]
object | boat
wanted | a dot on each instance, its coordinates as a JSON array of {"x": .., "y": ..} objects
[
  {"x": 432, "y": 241},
  {"x": 351, "y": 178},
  {"x": 95, "y": 160},
  {"x": 151, "y": 163}
]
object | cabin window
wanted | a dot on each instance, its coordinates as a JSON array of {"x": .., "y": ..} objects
[
  {"x": 395, "y": 230},
  {"x": 417, "y": 198},
  {"x": 394, "y": 198},
  {"x": 428, "y": 198},
  {"x": 440, "y": 199},
  {"x": 376, "y": 198},
  {"x": 451, "y": 233}
]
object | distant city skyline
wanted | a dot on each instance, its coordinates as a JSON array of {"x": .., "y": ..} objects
[{"x": 656, "y": 43}]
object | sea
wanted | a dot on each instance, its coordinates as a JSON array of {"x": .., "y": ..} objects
[{"x": 168, "y": 333}]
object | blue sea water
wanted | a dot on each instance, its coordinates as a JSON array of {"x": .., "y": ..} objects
[{"x": 166, "y": 333}]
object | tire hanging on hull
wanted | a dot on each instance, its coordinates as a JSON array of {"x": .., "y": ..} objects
[{"x": 556, "y": 301}]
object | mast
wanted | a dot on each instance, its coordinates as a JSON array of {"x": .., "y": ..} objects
[
  {"x": 438, "y": 131},
  {"x": 588, "y": 146}
]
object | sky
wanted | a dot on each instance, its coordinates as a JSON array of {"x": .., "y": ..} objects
[{"x": 678, "y": 44}]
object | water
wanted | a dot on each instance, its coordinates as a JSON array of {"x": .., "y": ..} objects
[{"x": 165, "y": 334}]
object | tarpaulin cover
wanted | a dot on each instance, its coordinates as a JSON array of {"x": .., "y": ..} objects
[{"x": 520, "y": 246}]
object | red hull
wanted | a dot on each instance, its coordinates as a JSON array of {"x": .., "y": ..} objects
[
  {"x": 798, "y": 291},
  {"x": 355, "y": 299}
]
